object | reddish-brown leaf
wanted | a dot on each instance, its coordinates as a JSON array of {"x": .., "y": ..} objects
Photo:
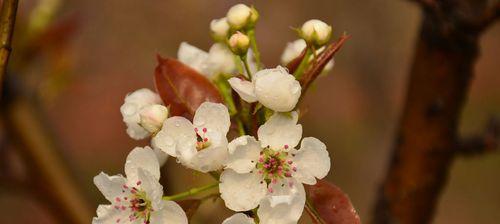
[
  {"x": 190, "y": 206},
  {"x": 182, "y": 88},
  {"x": 333, "y": 205},
  {"x": 319, "y": 63},
  {"x": 294, "y": 64}
]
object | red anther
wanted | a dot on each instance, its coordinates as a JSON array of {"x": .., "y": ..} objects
[{"x": 204, "y": 129}]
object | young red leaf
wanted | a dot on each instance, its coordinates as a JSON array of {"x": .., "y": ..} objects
[
  {"x": 319, "y": 63},
  {"x": 333, "y": 205},
  {"x": 182, "y": 88},
  {"x": 294, "y": 64}
]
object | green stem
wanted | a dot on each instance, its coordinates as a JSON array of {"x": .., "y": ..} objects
[
  {"x": 226, "y": 92},
  {"x": 255, "y": 49},
  {"x": 247, "y": 67},
  {"x": 241, "y": 128},
  {"x": 190, "y": 192},
  {"x": 303, "y": 64}
]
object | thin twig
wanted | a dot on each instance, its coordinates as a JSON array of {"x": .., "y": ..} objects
[
  {"x": 481, "y": 143},
  {"x": 7, "y": 21},
  {"x": 313, "y": 213}
]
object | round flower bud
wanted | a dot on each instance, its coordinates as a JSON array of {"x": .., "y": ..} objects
[
  {"x": 239, "y": 43},
  {"x": 219, "y": 28},
  {"x": 316, "y": 32},
  {"x": 152, "y": 117},
  {"x": 241, "y": 16}
]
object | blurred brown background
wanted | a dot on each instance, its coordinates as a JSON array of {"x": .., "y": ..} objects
[{"x": 354, "y": 110}]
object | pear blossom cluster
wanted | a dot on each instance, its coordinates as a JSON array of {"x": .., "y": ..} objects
[{"x": 259, "y": 172}]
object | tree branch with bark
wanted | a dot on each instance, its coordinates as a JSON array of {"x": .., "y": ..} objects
[{"x": 427, "y": 136}]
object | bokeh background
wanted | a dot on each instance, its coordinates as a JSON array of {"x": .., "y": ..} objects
[{"x": 354, "y": 109}]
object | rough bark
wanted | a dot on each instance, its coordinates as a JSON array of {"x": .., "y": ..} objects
[{"x": 427, "y": 138}]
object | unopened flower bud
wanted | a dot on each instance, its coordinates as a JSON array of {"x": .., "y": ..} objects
[
  {"x": 241, "y": 16},
  {"x": 219, "y": 28},
  {"x": 152, "y": 117},
  {"x": 239, "y": 43},
  {"x": 316, "y": 32}
]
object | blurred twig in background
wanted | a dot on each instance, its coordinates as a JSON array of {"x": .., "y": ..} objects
[
  {"x": 7, "y": 21},
  {"x": 23, "y": 116},
  {"x": 427, "y": 137}
]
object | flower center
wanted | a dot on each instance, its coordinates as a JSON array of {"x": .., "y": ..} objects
[
  {"x": 202, "y": 141},
  {"x": 136, "y": 201},
  {"x": 275, "y": 165}
]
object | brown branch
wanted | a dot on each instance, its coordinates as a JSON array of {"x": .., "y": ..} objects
[
  {"x": 50, "y": 178},
  {"x": 7, "y": 21},
  {"x": 427, "y": 136},
  {"x": 481, "y": 143}
]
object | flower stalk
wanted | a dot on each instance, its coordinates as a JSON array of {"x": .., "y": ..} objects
[
  {"x": 190, "y": 192},
  {"x": 255, "y": 49}
]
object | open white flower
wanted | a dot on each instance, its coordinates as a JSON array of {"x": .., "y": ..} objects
[
  {"x": 219, "y": 59},
  {"x": 294, "y": 49},
  {"x": 269, "y": 173},
  {"x": 274, "y": 88},
  {"x": 238, "y": 218},
  {"x": 138, "y": 197},
  {"x": 131, "y": 110},
  {"x": 201, "y": 145}
]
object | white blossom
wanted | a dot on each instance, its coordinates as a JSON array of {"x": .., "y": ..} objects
[
  {"x": 131, "y": 108},
  {"x": 274, "y": 88},
  {"x": 269, "y": 173},
  {"x": 136, "y": 198},
  {"x": 219, "y": 59},
  {"x": 316, "y": 32},
  {"x": 238, "y": 218},
  {"x": 239, "y": 43},
  {"x": 152, "y": 117},
  {"x": 240, "y": 16},
  {"x": 294, "y": 49},
  {"x": 219, "y": 29},
  {"x": 201, "y": 145}
]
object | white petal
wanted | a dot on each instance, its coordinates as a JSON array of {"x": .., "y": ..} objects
[
  {"x": 280, "y": 130},
  {"x": 276, "y": 89},
  {"x": 176, "y": 138},
  {"x": 150, "y": 185},
  {"x": 134, "y": 102},
  {"x": 283, "y": 213},
  {"x": 170, "y": 213},
  {"x": 292, "y": 51},
  {"x": 244, "y": 88},
  {"x": 208, "y": 159},
  {"x": 193, "y": 57},
  {"x": 221, "y": 60},
  {"x": 241, "y": 192},
  {"x": 110, "y": 186},
  {"x": 143, "y": 158},
  {"x": 243, "y": 154},
  {"x": 312, "y": 161},
  {"x": 161, "y": 156},
  {"x": 136, "y": 131},
  {"x": 213, "y": 116},
  {"x": 107, "y": 214},
  {"x": 238, "y": 218}
]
